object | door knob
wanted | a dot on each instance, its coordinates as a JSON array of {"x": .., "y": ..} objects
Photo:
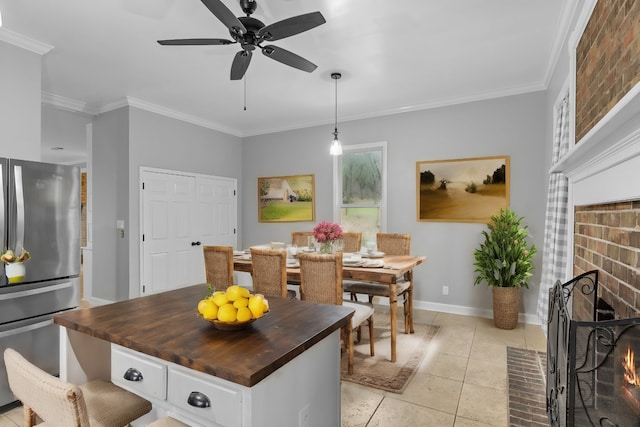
[{"x": 195, "y": 243}]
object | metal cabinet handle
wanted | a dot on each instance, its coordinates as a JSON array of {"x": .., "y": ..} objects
[
  {"x": 198, "y": 400},
  {"x": 133, "y": 374}
]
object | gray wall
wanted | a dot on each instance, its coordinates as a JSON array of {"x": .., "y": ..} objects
[
  {"x": 513, "y": 126},
  {"x": 161, "y": 142},
  {"x": 20, "y": 100},
  {"x": 110, "y": 199}
]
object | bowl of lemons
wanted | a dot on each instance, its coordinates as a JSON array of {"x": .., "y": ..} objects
[{"x": 233, "y": 309}]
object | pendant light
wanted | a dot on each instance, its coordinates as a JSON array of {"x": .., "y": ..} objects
[{"x": 336, "y": 146}]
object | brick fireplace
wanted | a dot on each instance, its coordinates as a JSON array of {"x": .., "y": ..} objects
[{"x": 603, "y": 169}]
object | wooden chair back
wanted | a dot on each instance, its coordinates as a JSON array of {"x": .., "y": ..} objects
[
  {"x": 299, "y": 238},
  {"x": 218, "y": 264},
  {"x": 269, "y": 272},
  {"x": 394, "y": 244},
  {"x": 321, "y": 278},
  {"x": 352, "y": 241}
]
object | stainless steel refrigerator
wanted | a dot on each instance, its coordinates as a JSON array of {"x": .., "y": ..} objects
[{"x": 40, "y": 213}]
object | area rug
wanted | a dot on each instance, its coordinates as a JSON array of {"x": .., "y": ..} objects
[
  {"x": 378, "y": 371},
  {"x": 526, "y": 371}
]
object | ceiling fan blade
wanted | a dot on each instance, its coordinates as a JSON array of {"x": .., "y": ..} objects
[
  {"x": 194, "y": 42},
  {"x": 291, "y": 26},
  {"x": 288, "y": 58},
  {"x": 240, "y": 64},
  {"x": 225, "y": 16}
]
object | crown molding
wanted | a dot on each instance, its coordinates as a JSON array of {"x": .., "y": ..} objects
[
  {"x": 127, "y": 101},
  {"x": 148, "y": 106},
  {"x": 24, "y": 42},
  {"x": 68, "y": 104},
  {"x": 567, "y": 15},
  {"x": 443, "y": 102}
]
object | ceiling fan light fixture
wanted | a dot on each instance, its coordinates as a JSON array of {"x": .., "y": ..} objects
[{"x": 336, "y": 145}]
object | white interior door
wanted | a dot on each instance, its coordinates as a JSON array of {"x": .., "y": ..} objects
[
  {"x": 167, "y": 232},
  {"x": 179, "y": 214},
  {"x": 216, "y": 215}
]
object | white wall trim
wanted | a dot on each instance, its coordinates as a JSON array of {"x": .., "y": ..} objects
[
  {"x": 24, "y": 42},
  {"x": 68, "y": 104},
  {"x": 531, "y": 319}
]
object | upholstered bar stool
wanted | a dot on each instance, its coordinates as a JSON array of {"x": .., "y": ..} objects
[{"x": 61, "y": 404}]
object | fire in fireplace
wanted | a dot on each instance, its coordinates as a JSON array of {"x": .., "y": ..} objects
[{"x": 592, "y": 377}]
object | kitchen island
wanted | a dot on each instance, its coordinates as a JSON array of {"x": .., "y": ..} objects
[{"x": 283, "y": 370}]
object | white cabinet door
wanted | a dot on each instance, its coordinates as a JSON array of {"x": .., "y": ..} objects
[
  {"x": 181, "y": 213},
  {"x": 168, "y": 218}
]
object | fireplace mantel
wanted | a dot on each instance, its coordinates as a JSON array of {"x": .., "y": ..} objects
[
  {"x": 614, "y": 139},
  {"x": 604, "y": 165}
]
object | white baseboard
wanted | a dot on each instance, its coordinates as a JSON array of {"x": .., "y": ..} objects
[{"x": 528, "y": 318}]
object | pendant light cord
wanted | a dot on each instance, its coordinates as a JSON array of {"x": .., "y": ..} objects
[
  {"x": 245, "y": 92},
  {"x": 336, "y": 111}
]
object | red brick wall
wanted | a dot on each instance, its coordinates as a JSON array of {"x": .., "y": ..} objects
[
  {"x": 607, "y": 238},
  {"x": 607, "y": 60}
]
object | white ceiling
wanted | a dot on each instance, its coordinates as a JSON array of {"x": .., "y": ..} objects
[{"x": 394, "y": 56}]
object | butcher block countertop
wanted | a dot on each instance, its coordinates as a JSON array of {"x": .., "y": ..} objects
[{"x": 167, "y": 326}]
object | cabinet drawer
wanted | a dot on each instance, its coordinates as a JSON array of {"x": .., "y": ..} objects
[
  {"x": 203, "y": 396},
  {"x": 139, "y": 374}
]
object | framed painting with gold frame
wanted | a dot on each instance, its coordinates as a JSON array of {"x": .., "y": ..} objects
[
  {"x": 286, "y": 198},
  {"x": 462, "y": 190}
]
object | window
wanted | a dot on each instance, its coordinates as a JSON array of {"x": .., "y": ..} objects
[{"x": 360, "y": 189}]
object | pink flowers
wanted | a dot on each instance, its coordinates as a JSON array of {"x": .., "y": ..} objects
[{"x": 327, "y": 232}]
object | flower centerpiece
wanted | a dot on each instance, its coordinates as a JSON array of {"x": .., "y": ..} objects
[
  {"x": 14, "y": 269},
  {"x": 326, "y": 233}
]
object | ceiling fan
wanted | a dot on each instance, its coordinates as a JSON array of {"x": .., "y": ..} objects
[{"x": 251, "y": 33}]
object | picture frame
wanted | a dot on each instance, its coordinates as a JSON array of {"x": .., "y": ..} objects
[
  {"x": 286, "y": 198},
  {"x": 462, "y": 190}
]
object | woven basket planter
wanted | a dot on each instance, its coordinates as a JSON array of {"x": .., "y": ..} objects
[{"x": 506, "y": 305}]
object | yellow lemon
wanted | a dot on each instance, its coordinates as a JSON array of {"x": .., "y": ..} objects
[
  {"x": 233, "y": 292},
  {"x": 265, "y": 304},
  {"x": 227, "y": 313},
  {"x": 244, "y": 314},
  {"x": 210, "y": 312},
  {"x": 244, "y": 292},
  {"x": 220, "y": 299},
  {"x": 256, "y": 305},
  {"x": 241, "y": 302},
  {"x": 202, "y": 304}
]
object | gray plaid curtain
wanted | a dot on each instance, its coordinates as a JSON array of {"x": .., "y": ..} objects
[{"x": 554, "y": 256}]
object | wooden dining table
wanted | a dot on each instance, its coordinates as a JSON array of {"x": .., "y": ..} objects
[{"x": 395, "y": 267}]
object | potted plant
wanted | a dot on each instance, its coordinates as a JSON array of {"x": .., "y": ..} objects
[{"x": 505, "y": 262}]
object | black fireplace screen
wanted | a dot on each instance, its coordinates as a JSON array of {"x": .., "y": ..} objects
[{"x": 591, "y": 367}]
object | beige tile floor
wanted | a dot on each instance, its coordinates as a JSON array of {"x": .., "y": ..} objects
[{"x": 461, "y": 382}]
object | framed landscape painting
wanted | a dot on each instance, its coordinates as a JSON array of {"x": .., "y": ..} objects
[
  {"x": 286, "y": 198},
  {"x": 462, "y": 190}
]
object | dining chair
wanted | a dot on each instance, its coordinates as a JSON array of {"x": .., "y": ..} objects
[
  {"x": 321, "y": 282},
  {"x": 390, "y": 244},
  {"x": 58, "y": 403},
  {"x": 299, "y": 238},
  {"x": 218, "y": 264},
  {"x": 352, "y": 241},
  {"x": 269, "y": 273}
]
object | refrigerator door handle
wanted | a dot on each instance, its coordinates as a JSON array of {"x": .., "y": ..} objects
[
  {"x": 2, "y": 205},
  {"x": 27, "y": 328},
  {"x": 17, "y": 172},
  {"x": 14, "y": 295}
]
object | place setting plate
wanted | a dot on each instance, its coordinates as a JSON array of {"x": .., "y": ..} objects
[{"x": 375, "y": 254}]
